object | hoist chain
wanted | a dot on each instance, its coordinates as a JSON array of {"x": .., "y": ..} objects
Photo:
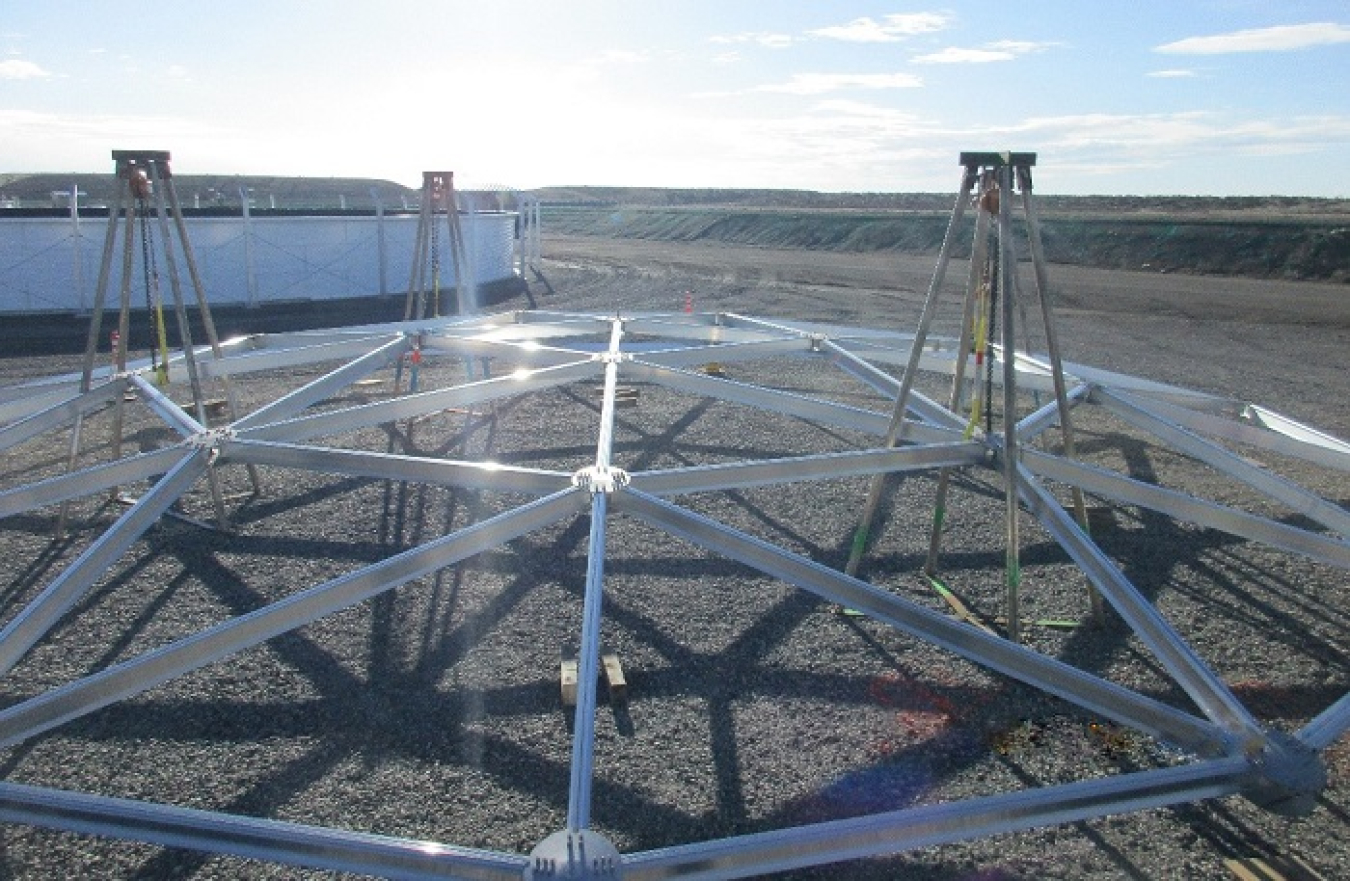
[
  {"x": 991, "y": 335},
  {"x": 435, "y": 264},
  {"x": 150, "y": 270}
]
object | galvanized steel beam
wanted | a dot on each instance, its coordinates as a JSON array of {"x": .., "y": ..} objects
[
  {"x": 293, "y": 844},
  {"x": 1010, "y": 659},
  {"x": 798, "y": 469},
  {"x": 390, "y": 466},
  {"x": 378, "y": 413},
  {"x": 1189, "y": 509},
  {"x": 786, "y": 403},
  {"x": 173, "y": 415},
  {"x": 59, "y": 705},
  {"x": 90, "y": 480},
  {"x": 919, "y": 404},
  {"x": 62, "y": 413},
  {"x": 39, "y": 616},
  {"x": 582, "y": 768},
  {"x": 1137, "y": 413},
  {"x": 328, "y": 385},
  {"x": 933, "y": 825},
  {"x": 1204, "y": 686}
]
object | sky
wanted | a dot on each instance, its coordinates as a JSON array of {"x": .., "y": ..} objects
[{"x": 1147, "y": 97}]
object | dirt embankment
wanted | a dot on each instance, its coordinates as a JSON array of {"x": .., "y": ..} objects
[{"x": 1292, "y": 246}]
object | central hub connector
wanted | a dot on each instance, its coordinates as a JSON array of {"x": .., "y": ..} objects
[
  {"x": 600, "y": 480},
  {"x": 574, "y": 856},
  {"x": 214, "y": 439}
]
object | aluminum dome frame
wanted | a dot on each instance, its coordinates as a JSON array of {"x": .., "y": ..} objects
[{"x": 1231, "y": 751}]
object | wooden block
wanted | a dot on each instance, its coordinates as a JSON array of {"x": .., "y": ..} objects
[
  {"x": 618, "y": 686},
  {"x": 567, "y": 678},
  {"x": 1273, "y": 869},
  {"x": 620, "y": 392},
  {"x": 1100, "y": 518}
]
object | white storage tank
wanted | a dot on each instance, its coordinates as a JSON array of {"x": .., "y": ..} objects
[{"x": 51, "y": 263}]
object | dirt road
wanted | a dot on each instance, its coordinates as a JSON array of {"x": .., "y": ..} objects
[{"x": 1279, "y": 343}]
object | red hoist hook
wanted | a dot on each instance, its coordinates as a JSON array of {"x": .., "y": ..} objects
[{"x": 140, "y": 183}]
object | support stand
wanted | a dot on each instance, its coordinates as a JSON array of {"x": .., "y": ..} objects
[
  {"x": 144, "y": 177},
  {"x": 989, "y": 181},
  {"x": 438, "y": 199}
]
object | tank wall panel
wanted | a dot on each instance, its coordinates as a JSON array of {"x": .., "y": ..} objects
[{"x": 51, "y": 264}]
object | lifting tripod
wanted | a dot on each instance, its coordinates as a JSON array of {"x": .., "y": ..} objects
[
  {"x": 993, "y": 299},
  {"x": 438, "y": 197},
  {"x": 145, "y": 186}
]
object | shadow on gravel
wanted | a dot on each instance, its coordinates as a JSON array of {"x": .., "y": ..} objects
[{"x": 1163, "y": 555}]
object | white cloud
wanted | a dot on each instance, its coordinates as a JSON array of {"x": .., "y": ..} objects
[
  {"x": 820, "y": 83},
  {"x": 861, "y": 110},
  {"x": 890, "y": 29},
  {"x": 1170, "y": 137},
  {"x": 1000, "y": 50},
  {"x": 1175, "y": 74},
  {"x": 1021, "y": 47},
  {"x": 14, "y": 69},
  {"x": 759, "y": 38},
  {"x": 1282, "y": 38},
  {"x": 953, "y": 55}
]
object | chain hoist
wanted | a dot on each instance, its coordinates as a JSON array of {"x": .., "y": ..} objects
[
  {"x": 436, "y": 259},
  {"x": 142, "y": 188}
]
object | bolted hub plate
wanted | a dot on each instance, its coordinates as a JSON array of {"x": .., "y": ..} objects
[
  {"x": 571, "y": 856},
  {"x": 1289, "y": 777}
]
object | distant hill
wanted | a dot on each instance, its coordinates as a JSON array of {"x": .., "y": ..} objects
[
  {"x": 295, "y": 193},
  {"x": 1255, "y": 236},
  {"x": 1215, "y": 206}
]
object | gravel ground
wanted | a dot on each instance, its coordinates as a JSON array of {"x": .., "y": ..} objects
[{"x": 433, "y": 711}]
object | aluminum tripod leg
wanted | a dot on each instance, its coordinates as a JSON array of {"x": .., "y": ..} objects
[
  {"x": 101, "y": 293},
  {"x": 860, "y": 537},
  {"x": 416, "y": 281},
  {"x": 978, "y": 255},
  {"x": 91, "y": 346},
  {"x": 159, "y": 175},
  {"x": 458, "y": 252},
  {"x": 204, "y": 311},
  {"x": 123, "y": 325},
  {"x": 1056, "y": 364},
  {"x": 1007, "y": 283}
]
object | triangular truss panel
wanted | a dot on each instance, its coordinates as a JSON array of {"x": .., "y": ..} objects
[{"x": 553, "y": 468}]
